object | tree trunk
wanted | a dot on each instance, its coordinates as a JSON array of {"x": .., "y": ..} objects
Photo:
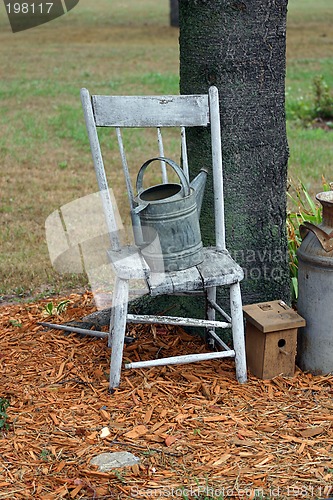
[
  {"x": 239, "y": 46},
  {"x": 174, "y": 13}
]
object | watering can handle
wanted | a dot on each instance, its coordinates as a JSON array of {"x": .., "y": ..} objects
[{"x": 173, "y": 165}]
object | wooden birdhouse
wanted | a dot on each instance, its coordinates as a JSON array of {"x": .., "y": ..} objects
[{"x": 271, "y": 338}]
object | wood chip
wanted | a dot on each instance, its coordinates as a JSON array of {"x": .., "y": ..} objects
[
  {"x": 136, "y": 432},
  {"x": 148, "y": 415},
  {"x": 170, "y": 440},
  {"x": 105, "y": 432},
  {"x": 311, "y": 432},
  {"x": 222, "y": 460}
]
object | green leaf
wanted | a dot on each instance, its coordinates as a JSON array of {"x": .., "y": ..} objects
[
  {"x": 14, "y": 322},
  {"x": 294, "y": 286},
  {"x": 62, "y": 306},
  {"x": 49, "y": 308}
]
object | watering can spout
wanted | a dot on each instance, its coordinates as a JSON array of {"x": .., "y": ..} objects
[{"x": 198, "y": 185}]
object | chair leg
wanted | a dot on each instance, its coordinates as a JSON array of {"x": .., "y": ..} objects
[
  {"x": 112, "y": 315},
  {"x": 238, "y": 332},
  {"x": 117, "y": 330},
  {"x": 210, "y": 314}
]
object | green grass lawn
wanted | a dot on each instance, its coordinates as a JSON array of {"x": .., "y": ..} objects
[
  {"x": 309, "y": 54},
  {"x": 113, "y": 47}
]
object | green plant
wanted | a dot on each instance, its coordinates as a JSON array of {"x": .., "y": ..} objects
[
  {"x": 63, "y": 164},
  {"x": 120, "y": 476},
  {"x": 314, "y": 106},
  {"x": 45, "y": 454},
  {"x": 305, "y": 210},
  {"x": 55, "y": 310},
  {"x": 16, "y": 323},
  {"x": 323, "y": 99},
  {"x": 4, "y": 403}
]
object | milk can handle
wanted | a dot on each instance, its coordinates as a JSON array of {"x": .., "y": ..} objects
[
  {"x": 173, "y": 165},
  {"x": 325, "y": 239}
]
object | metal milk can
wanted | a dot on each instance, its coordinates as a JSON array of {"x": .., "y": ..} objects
[
  {"x": 315, "y": 283},
  {"x": 168, "y": 219}
]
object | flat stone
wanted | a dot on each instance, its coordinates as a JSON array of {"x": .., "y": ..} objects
[{"x": 109, "y": 461}]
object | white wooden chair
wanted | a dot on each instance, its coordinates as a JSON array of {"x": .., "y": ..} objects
[{"x": 217, "y": 269}]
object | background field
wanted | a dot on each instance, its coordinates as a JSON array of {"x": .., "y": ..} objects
[{"x": 120, "y": 47}]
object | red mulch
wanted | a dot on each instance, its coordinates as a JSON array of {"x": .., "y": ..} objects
[{"x": 193, "y": 426}]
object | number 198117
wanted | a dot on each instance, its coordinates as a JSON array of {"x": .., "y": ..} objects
[{"x": 29, "y": 8}]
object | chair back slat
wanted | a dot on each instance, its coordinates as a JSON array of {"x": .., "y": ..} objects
[
  {"x": 129, "y": 187},
  {"x": 100, "y": 171},
  {"x": 161, "y": 152},
  {"x": 184, "y": 153},
  {"x": 151, "y": 111},
  {"x": 217, "y": 168}
]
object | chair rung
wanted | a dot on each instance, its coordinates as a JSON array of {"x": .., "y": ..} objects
[
  {"x": 219, "y": 309},
  {"x": 175, "y": 320},
  {"x": 219, "y": 341},
  {"x": 178, "y": 360}
]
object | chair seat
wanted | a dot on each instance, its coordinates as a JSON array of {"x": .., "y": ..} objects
[
  {"x": 128, "y": 263},
  {"x": 217, "y": 269}
]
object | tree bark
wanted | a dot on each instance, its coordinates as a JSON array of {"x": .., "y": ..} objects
[
  {"x": 239, "y": 46},
  {"x": 174, "y": 13}
]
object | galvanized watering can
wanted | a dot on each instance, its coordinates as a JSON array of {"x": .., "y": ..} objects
[{"x": 166, "y": 220}]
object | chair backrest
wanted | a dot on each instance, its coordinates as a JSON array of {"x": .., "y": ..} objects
[{"x": 154, "y": 111}]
